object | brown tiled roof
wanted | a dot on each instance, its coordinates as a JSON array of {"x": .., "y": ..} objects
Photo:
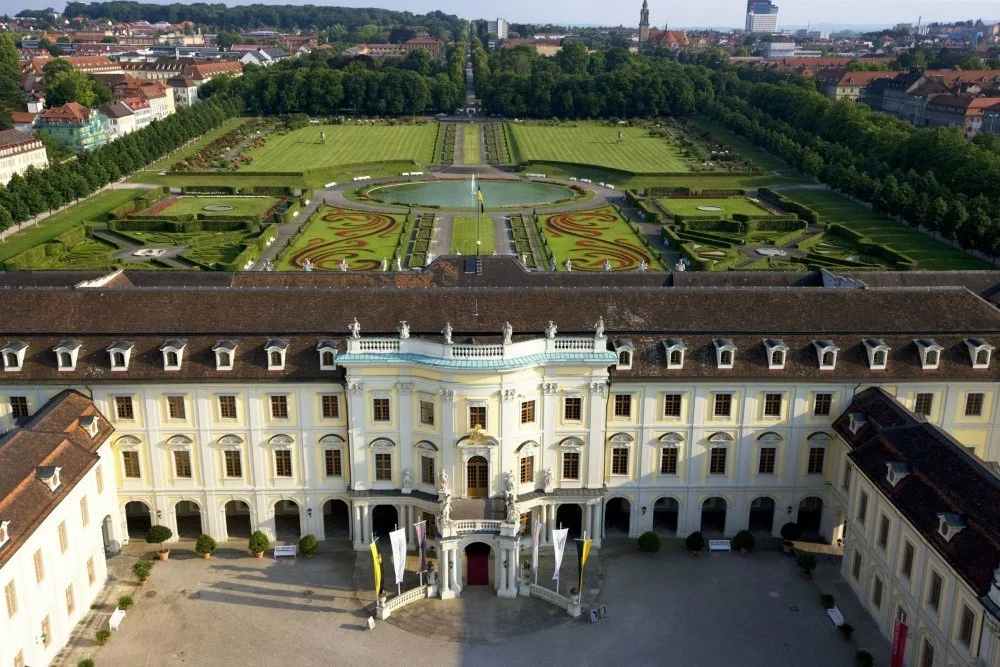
[
  {"x": 16, "y": 139},
  {"x": 71, "y": 112},
  {"x": 944, "y": 478},
  {"x": 52, "y": 437}
]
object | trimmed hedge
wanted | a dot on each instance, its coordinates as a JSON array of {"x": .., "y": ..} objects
[
  {"x": 867, "y": 246},
  {"x": 182, "y": 227},
  {"x": 786, "y": 204},
  {"x": 208, "y": 189}
]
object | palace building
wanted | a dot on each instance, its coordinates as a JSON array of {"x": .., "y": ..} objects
[{"x": 339, "y": 404}]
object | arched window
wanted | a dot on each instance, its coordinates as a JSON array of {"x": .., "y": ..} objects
[
  {"x": 327, "y": 358},
  {"x": 65, "y": 360},
  {"x": 275, "y": 358},
  {"x": 171, "y": 358}
]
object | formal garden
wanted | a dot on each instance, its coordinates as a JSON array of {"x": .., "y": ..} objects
[
  {"x": 596, "y": 240},
  {"x": 334, "y": 235},
  {"x": 466, "y": 230}
]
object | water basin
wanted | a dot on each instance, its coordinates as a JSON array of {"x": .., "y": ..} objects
[{"x": 458, "y": 194}]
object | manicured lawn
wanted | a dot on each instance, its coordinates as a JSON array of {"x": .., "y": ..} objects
[
  {"x": 61, "y": 222},
  {"x": 463, "y": 235},
  {"x": 597, "y": 145},
  {"x": 301, "y": 150},
  {"x": 335, "y": 234},
  {"x": 248, "y": 206},
  {"x": 728, "y": 206},
  {"x": 588, "y": 238},
  {"x": 89, "y": 254},
  {"x": 928, "y": 253},
  {"x": 471, "y": 151}
]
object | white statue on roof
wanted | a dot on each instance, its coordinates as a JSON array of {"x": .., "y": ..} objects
[
  {"x": 508, "y": 332},
  {"x": 568, "y": 264},
  {"x": 343, "y": 265},
  {"x": 607, "y": 265},
  {"x": 550, "y": 330},
  {"x": 398, "y": 264},
  {"x": 307, "y": 265},
  {"x": 446, "y": 332},
  {"x": 355, "y": 328},
  {"x": 599, "y": 328},
  {"x": 404, "y": 330},
  {"x": 385, "y": 264}
]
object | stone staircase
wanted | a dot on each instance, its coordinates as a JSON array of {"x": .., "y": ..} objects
[{"x": 471, "y": 509}]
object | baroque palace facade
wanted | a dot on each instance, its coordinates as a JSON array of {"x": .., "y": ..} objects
[{"x": 339, "y": 404}]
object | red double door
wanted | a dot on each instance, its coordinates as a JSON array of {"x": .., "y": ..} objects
[{"x": 477, "y": 564}]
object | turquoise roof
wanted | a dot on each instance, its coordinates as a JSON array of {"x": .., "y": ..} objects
[{"x": 595, "y": 358}]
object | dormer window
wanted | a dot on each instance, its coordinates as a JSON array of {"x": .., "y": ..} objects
[
  {"x": 624, "y": 350},
  {"x": 51, "y": 476},
  {"x": 857, "y": 422},
  {"x": 4, "y": 532},
  {"x": 173, "y": 353},
  {"x": 120, "y": 354},
  {"x": 13, "y": 355},
  {"x": 878, "y": 353},
  {"x": 950, "y": 525},
  {"x": 776, "y": 353},
  {"x": 327, "y": 355},
  {"x": 275, "y": 350},
  {"x": 980, "y": 352},
  {"x": 66, "y": 354},
  {"x": 675, "y": 349},
  {"x": 90, "y": 424},
  {"x": 930, "y": 353},
  {"x": 826, "y": 353},
  {"x": 725, "y": 352},
  {"x": 896, "y": 470},
  {"x": 224, "y": 350}
]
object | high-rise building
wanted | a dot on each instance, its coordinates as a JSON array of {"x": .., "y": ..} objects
[
  {"x": 498, "y": 28},
  {"x": 762, "y": 16}
]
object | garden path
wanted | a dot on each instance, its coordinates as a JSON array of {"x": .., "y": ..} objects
[
  {"x": 126, "y": 255},
  {"x": 288, "y": 229},
  {"x": 502, "y": 235}
]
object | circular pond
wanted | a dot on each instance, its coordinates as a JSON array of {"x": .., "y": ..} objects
[
  {"x": 459, "y": 193},
  {"x": 218, "y": 208},
  {"x": 710, "y": 208}
]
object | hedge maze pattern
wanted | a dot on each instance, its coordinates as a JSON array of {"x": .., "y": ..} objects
[
  {"x": 588, "y": 238},
  {"x": 358, "y": 237}
]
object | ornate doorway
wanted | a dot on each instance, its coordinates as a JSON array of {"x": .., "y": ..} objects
[{"x": 477, "y": 477}]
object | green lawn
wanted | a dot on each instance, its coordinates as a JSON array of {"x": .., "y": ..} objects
[
  {"x": 195, "y": 146},
  {"x": 61, "y": 222},
  {"x": 929, "y": 254},
  {"x": 588, "y": 238},
  {"x": 335, "y": 234},
  {"x": 463, "y": 235},
  {"x": 248, "y": 206},
  {"x": 88, "y": 254},
  {"x": 762, "y": 159},
  {"x": 728, "y": 206},
  {"x": 471, "y": 151},
  {"x": 597, "y": 145},
  {"x": 301, "y": 150}
]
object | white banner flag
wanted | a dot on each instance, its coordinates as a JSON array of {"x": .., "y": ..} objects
[
  {"x": 398, "y": 540},
  {"x": 536, "y": 536},
  {"x": 559, "y": 545}
]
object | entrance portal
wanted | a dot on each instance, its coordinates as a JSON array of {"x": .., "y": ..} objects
[
  {"x": 336, "y": 519},
  {"x": 570, "y": 516},
  {"x": 137, "y": 519},
  {"x": 385, "y": 519},
  {"x": 477, "y": 564},
  {"x": 237, "y": 520},
  {"x": 761, "y": 518},
  {"x": 188, "y": 515},
  {"x": 477, "y": 476},
  {"x": 287, "y": 525},
  {"x": 811, "y": 517},
  {"x": 665, "y": 513},
  {"x": 713, "y": 516}
]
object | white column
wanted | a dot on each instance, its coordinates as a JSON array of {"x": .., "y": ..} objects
[
  {"x": 551, "y": 522},
  {"x": 502, "y": 579},
  {"x": 598, "y": 522},
  {"x": 588, "y": 520},
  {"x": 443, "y": 573},
  {"x": 366, "y": 524},
  {"x": 358, "y": 528},
  {"x": 456, "y": 570},
  {"x": 411, "y": 537}
]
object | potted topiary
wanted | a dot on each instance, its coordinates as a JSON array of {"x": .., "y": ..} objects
[
  {"x": 744, "y": 541},
  {"x": 826, "y": 600},
  {"x": 141, "y": 570},
  {"x": 159, "y": 535},
  {"x": 790, "y": 531},
  {"x": 102, "y": 636},
  {"x": 259, "y": 544},
  {"x": 808, "y": 563},
  {"x": 206, "y": 546},
  {"x": 695, "y": 542},
  {"x": 863, "y": 659},
  {"x": 648, "y": 542},
  {"x": 845, "y": 630},
  {"x": 86, "y": 662},
  {"x": 308, "y": 545},
  {"x": 125, "y": 602}
]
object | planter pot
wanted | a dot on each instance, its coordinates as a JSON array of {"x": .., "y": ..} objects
[
  {"x": 807, "y": 575},
  {"x": 142, "y": 584},
  {"x": 695, "y": 553},
  {"x": 308, "y": 555},
  {"x": 163, "y": 554},
  {"x": 259, "y": 554},
  {"x": 788, "y": 546},
  {"x": 846, "y": 636},
  {"x": 206, "y": 556},
  {"x": 743, "y": 552}
]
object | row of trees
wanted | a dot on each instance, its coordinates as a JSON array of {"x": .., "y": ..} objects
[{"x": 40, "y": 190}]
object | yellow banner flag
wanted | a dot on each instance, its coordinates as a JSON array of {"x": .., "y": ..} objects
[
  {"x": 377, "y": 563},
  {"x": 583, "y": 550}
]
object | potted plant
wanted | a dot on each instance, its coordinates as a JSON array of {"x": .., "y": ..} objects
[
  {"x": 141, "y": 570},
  {"x": 648, "y": 542},
  {"x": 826, "y": 600},
  {"x": 845, "y": 630},
  {"x": 864, "y": 659},
  {"x": 790, "y": 531},
  {"x": 159, "y": 535},
  {"x": 308, "y": 545},
  {"x": 744, "y": 541},
  {"x": 259, "y": 544},
  {"x": 125, "y": 602},
  {"x": 808, "y": 563},
  {"x": 102, "y": 636},
  {"x": 695, "y": 542},
  {"x": 86, "y": 662},
  {"x": 206, "y": 546}
]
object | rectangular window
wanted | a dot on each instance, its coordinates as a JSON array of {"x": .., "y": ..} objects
[
  {"x": 974, "y": 405},
  {"x": 279, "y": 407},
  {"x": 84, "y": 511},
  {"x": 863, "y": 508},
  {"x": 427, "y": 470},
  {"x": 380, "y": 409},
  {"x": 668, "y": 461},
  {"x": 619, "y": 461},
  {"x": 427, "y": 413},
  {"x": 934, "y": 594},
  {"x": 846, "y": 484},
  {"x": 772, "y": 405},
  {"x": 46, "y": 632},
  {"x": 91, "y": 571},
  {"x": 767, "y": 460},
  {"x": 717, "y": 461},
  {"x": 10, "y": 594},
  {"x": 967, "y": 626},
  {"x": 130, "y": 463},
  {"x": 227, "y": 407},
  {"x": 99, "y": 479},
  {"x": 528, "y": 412},
  {"x": 333, "y": 464},
  {"x": 923, "y": 403},
  {"x": 877, "y": 593},
  {"x": 723, "y": 405},
  {"x": 182, "y": 464},
  {"x": 572, "y": 409},
  {"x": 330, "y": 404},
  {"x": 477, "y": 417},
  {"x": 63, "y": 538},
  {"x": 527, "y": 469},
  {"x": 883, "y": 532},
  {"x": 822, "y": 405},
  {"x": 571, "y": 465},
  {"x": 672, "y": 405},
  {"x": 18, "y": 406},
  {"x": 39, "y": 566},
  {"x": 234, "y": 464},
  {"x": 623, "y": 405},
  {"x": 123, "y": 407},
  {"x": 856, "y": 566},
  {"x": 283, "y": 463},
  {"x": 175, "y": 407},
  {"x": 383, "y": 467},
  {"x": 817, "y": 457},
  {"x": 907, "y": 566},
  {"x": 70, "y": 601}
]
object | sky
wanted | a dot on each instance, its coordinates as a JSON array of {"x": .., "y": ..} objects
[{"x": 704, "y": 13}]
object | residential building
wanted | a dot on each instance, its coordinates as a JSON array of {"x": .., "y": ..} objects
[
  {"x": 18, "y": 151},
  {"x": 79, "y": 128},
  {"x": 32, "y": 70},
  {"x": 542, "y": 46},
  {"x": 959, "y": 111},
  {"x": 430, "y": 44},
  {"x": 501, "y": 28},
  {"x": 140, "y": 107},
  {"x": 264, "y": 57},
  {"x": 779, "y": 49},
  {"x": 204, "y": 72},
  {"x": 121, "y": 118},
  {"x": 59, "y": 516},
  {"x": 24, "y": 121},
  {"x": 185, "y": 91},
  {"x": 762, "y": 17},
  {"x": 991, "y": 119},
  {"x": 842, "y": 84},
  {"x": 913, "y": 108}
]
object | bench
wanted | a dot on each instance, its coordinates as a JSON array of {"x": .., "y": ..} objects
[
  {"x": 835, "y": 616},
  {"x": 719, "y": 545},
  {"x": 116, "y": 618},
  {"x": 285, "y": 550}
]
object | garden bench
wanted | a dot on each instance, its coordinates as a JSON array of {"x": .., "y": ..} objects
[
  {"x": 719, "y": 545},
  {"x": 405, "y": 173},
  {"x": 330, "y": 185},
  {"x": 285, "y": 550},
  {"x": 835, "y": 616},
  {"x": 416, "y": 173},
  {"x": 116, "y": 618}
]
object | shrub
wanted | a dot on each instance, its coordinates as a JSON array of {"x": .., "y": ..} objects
[
  {"x": 791, "y": 531},
  {"x": 826, "y": 600},
  {"x": 259, "y": 542},
  {"x": 142, "y": 569},
  {"x": 205, "y": 545},
  {"x": 126, "y": 602},
  {"x": 863, "y": 659},
  {"x": 807, "y": 562},
  {"x": 87, "y": 662},
  {"x": 695, "y": 541},
  {"x": 649, "y": 542},
  {"x": 158, "y": 535},
  {"x": 743, "y": 540},
  {"x": 103, "y": 636},
  {"x": 846, "y": 629},
  {"x": 308, "y": 545}
]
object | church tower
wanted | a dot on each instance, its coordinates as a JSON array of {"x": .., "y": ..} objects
[{"x": 644, "y": 22}]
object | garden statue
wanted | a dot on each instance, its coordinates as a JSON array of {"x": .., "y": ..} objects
[
  {"x": 385, "y": 264},
  {"x": 680, "y": 266},
  {"x": 403, "y": 329},
  {"x": 524, "y": 258},
  {"x": 343, "y": 265},
  {"x": 548, "y": 480},
  {"x": 398, "y": 264},
  {"x": 446, "y": 332},
  {"x": 458, "y": 252},
  {"x": 407, "y": 480},
  {"x": 512, "y": 516},
  {"x": 508, "y": 332},
  {"x": 568, "y": 264},
  {"x": 552, "y": 264},
  {"x": 643, "y": 266},
  {"x": 607, "y": 265},
  {"x": 430, "y": 258},
  {"x": 599, "y": 328},
  {"x": 526, "y": 572},
  {"x": 443, "y": 483},
  {"x": 268, "y": 265},
  {"x": 494, "y": 253},
  {"x": 355, "y": 328},
  {"x": 550, "y": 331},
  {"x": 445, "y": 515},
  {"x": 307, "y": 265}
]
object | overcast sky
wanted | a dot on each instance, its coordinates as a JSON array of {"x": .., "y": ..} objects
[{"x": 672, "y": 12}]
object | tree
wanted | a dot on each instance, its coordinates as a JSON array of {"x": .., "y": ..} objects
[
  {"x": 401, "y": 35},
  {"x": 72, "y": 86},
  {"x": 10, "y": 73},
  {"x": 225, "y": 40},
  {"x": 6, "y": 122},
  {"x": 54, "y": 50},
  {"x": 102, "y": 92}
]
